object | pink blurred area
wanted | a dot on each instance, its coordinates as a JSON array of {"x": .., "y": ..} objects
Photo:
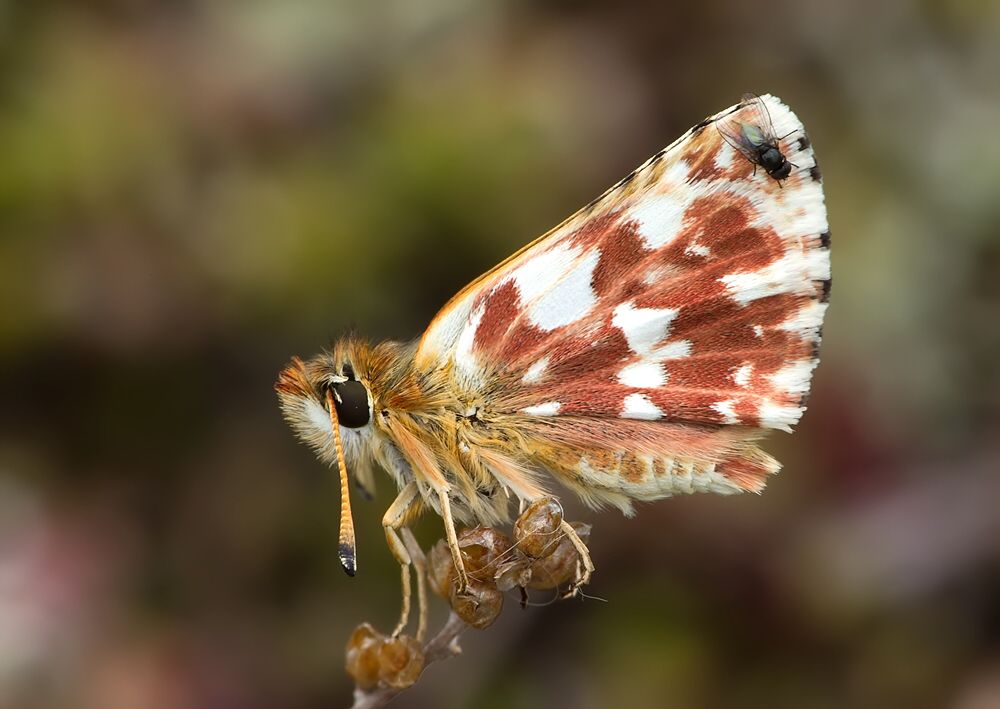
[{"x": 193, "y": 192}]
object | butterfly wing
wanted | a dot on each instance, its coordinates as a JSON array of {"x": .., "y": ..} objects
[{"x": 691, "y": 294}]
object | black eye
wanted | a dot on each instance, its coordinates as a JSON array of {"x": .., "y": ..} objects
[{"x": 351, "y": 400}]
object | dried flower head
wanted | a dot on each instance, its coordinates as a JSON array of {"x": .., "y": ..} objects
[
  {"x": 374, "y": 659},
  {"x": 536, "y": 531}
]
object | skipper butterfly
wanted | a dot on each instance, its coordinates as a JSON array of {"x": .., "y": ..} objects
[{"x": 638, "y": 350}]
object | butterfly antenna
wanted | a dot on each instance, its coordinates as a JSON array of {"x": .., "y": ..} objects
[{"x": 347, "y": 549}]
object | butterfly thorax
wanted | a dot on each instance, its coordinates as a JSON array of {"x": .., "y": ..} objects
[{"x": 411, "y": 415}]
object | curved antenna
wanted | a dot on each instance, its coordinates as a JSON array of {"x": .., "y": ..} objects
[{"x": 347, "y": 549}]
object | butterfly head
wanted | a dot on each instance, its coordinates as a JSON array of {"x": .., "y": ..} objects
[
  {"x": 328, "y": 404},
  {"x": 306, "y": 390}
]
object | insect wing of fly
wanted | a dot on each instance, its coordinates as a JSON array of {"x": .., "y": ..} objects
[{"x": 749, "y": 127}]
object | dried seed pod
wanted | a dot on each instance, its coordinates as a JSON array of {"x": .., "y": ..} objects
[
  {"x": 482, "y": 548},
  {"x": 561, "y": 566},
  {"x": 440, "y": 569},
  {"x": 536, "y": 531},
  {"x": 478, "y": 605},
  {"x": 400, "y": 661},
  {"x": 363, "y": 655},
  {"x": 513, "y": 573}
]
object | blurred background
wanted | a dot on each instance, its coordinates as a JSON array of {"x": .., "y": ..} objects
[{"x": 191, "y": 192}]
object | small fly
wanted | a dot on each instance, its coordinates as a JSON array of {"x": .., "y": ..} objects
[{"x": 750, "y": 131}]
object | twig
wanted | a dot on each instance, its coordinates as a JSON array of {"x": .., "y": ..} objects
[{"x": 440, "y": 647}]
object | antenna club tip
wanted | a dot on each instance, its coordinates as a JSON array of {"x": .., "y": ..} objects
[{"x": 347, "y": 559}]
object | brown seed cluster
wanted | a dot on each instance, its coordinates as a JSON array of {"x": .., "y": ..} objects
[
  {"x": 373, "y": 658},
  {"x": 540, "y": 556}
]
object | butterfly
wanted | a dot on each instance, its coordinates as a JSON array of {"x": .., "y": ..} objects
[{"x": 638, "y": 350}]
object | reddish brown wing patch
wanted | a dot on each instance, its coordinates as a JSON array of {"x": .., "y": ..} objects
[
  {"x": 702, "y": 162},
  {"x": 621, "y": 248},
  {"x": 500, "y": 309}
]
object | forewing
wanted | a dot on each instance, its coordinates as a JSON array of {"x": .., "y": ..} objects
[{"x": 692, "y": 291}]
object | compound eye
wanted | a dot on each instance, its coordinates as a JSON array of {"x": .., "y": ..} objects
[{"x": 351, "y": 400}]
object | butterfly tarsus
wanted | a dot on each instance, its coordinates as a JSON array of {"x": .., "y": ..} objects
[
  {"x": 420, "y": 565},
  {"x": 583, "y": 574}
]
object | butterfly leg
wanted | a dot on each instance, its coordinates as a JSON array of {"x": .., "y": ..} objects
[
  {"x": 420, "y": 565},
  {"x": 395, "y": 519},
  {"x": 452, "y": 536},
  {"x": 583, "y": 577},
  {"x": 422, "y": 462}
]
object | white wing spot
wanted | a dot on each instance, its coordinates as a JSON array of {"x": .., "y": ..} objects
[
  {"x": 659, "y": 219},
  {"x": 570, "y": 298},
  {"x": 725, "y": 408},
  {"x": 742, "y": 375},
  {"x": 643, "y": 375},
  {"x": 549, "y": 408},
  {"x": 794, "y": 377},
  {"x": 724, "y": 157},
  {"x": 792, "y": 273},
  {"x": 781, "y": 417},
  {"x": 806, "y": 320},
  {"x": 638, "y": 406},
  {"x": 697, "y": 250},
  {"x": 538, "y": 273},
  {"x": 758, "y": 331},
  {"x": 536, "y": 371},
  {"x": 643, "y": 327},
  {"x": 464, "y": 357}
]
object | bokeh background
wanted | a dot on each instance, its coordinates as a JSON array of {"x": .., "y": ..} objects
[{"x": 191, "y": 192}]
